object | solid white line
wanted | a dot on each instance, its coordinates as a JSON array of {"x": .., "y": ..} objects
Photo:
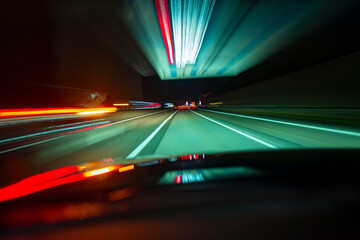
[
  {"x": 48, "y": 140},
  {"x": 357, "y": 134},
  {"x": 129, "y": 119},
  {"x": 239, "y": 132},
  {"x": 142, "y": 145}
]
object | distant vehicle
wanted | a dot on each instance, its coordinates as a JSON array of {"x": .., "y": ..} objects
[
  {"x": 168, "y": 105},
  {"x": 183, "y": 107}
]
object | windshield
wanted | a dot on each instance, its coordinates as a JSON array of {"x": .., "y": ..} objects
[{"x": 122, "y": 81}]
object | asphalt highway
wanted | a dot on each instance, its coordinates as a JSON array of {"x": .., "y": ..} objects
[{"x": 133, "y": 135}]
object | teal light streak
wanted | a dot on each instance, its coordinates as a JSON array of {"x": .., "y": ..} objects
[
  {"x": 54, "y": 138},
  {"x": 71, "y": 124},
  {"x": 51, "y": 131}
]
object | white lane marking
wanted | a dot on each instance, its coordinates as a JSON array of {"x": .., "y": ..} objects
[
  {"x": 239, "y": 132},
  {"x": 357, "y": 134},
  {"x": 142, "y": 145},
  {"x": 47, "y": 140},
  {"x": 129, "y": 119}
]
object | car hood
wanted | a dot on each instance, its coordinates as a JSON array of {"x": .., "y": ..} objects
[{"x": 96, "y": 188}]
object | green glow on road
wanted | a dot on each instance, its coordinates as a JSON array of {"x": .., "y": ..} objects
[
  {"x": 142, "y": 145},
  {"x": 356, "y": 134},
  {"x": 239, "y": 132},
  {"x": 54, "y": 138}
]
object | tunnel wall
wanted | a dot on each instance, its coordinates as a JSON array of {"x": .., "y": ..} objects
[
  {"x": 48, "y": 59},
  {"x": 83, "y": 58},
  {"x": 333, "y": 84},
  {"x": 37, "y": 95}
]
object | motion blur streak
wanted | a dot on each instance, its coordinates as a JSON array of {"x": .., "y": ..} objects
[
  {"x": 100, "y": 171},
  {"x": 92, "y": 112},
  {"x": 50, "y": 179},
  {"x": 4, "y": 122},
  {"x": 237, "y": 131},
  {"x": 126, "y": 168},
  {"x": 41, "y": 182},
  {"x": 164, "y": 20},
  {"x": 139, "y": 148},
  {"x": 178, "y": 179},
  {"x": 104, "y": 123},
  {"x": 47, "y": 176},
  {"x": 357, "y": 134},
  {"x": 189, "y": 21},
  {"x": 76, "y": 123},
  {"x": 120, "y": 104},
  {"x": 49, "y": 111},
  {"x": 77, "y": 131}
]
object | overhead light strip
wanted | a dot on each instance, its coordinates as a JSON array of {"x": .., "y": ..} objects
[{"x": 190, "y": 19}]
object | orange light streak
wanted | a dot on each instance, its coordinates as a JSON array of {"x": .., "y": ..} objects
[
  {"x": 120, "y": 104},
  {"x": 126, "y": 168},
  {"x": 100, "y": 171}
]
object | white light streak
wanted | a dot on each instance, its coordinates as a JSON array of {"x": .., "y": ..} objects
[{"x": 190, "y": 19}]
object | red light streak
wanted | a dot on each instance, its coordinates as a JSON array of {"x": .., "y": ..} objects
[
  {"x": 50, "y": 179},
  {"x": 153, "y": 105},
  {"x": 16, "y": 191},
  {"x": 162, "y": 9},
  {"x": 191, "y": 156},
  {"x": 47, "y": 176},
  {"x": 178, "y": 179},
  {"x": 50, "y": 111}
]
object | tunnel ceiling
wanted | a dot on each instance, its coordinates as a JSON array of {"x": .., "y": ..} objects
[
  {"x": 205, "y": 38},
  {"x": 188, "y": 39}
]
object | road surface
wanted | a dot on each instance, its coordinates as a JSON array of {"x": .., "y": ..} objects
[{"x": 132, "y": 135}]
